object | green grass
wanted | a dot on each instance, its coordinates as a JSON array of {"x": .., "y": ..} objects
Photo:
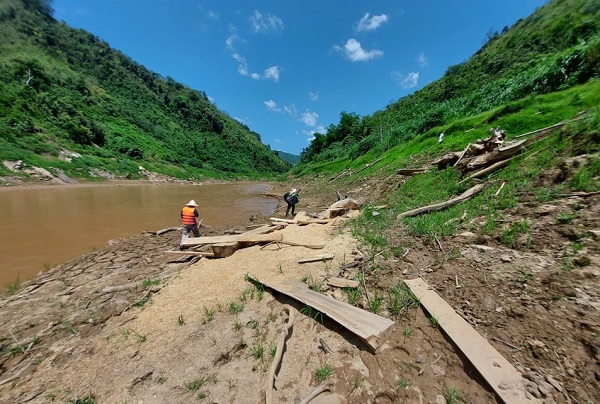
[
  {"x": 401, "y": 300},
  {"x": 323, "y": 372}
]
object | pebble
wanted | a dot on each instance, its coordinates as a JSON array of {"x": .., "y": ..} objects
[
  {"x": 555, "y": 383},
  {"x": 505, "y": 258}
]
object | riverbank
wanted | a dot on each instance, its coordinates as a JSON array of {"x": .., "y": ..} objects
[{"x": 170, "y": 330}]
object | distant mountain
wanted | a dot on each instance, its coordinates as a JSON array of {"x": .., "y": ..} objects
[
  {"x": 290, "y": 158},
  {"x": 65, "y": 91}
]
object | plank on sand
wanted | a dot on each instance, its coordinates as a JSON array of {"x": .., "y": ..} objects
[{"x": 504, "y": 379}]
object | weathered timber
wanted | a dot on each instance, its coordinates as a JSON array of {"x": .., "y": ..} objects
[
  {"x": 469, "y": 193},
  {"x": 320, "y": 257},
  {"x": 487, "y": 170},
  {"x": 246, "y": 238},
  {"x": 410, "y": 171},
  {"x": 223, "y": 250},
  {"x": 369, "y": 327},
  {"x": 342, "y": 282},
  {"x": 504, "y": 379}
]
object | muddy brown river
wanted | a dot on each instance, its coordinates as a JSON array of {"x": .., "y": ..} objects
[{"x": 41, "y": 227}]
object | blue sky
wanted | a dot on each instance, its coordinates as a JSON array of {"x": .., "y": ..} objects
[{"x": 287, "y": 69}]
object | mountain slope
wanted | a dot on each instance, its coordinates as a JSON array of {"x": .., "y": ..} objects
[
  {"x": 555, "y": 48},
  {"x": 65, "y": 89}
]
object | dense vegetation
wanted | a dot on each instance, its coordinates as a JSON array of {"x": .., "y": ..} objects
[
  {"x": 555, "y": 48},
  {"x": 65, "y": 90}
]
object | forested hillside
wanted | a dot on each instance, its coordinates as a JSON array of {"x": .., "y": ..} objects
[
  {"x": 554, "y": 49},
  {"x": 67, "y": 91}
]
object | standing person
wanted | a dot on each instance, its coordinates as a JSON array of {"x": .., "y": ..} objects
[
  {"x": 292, "y": 199},
  {"x": 189, "y": 221}
]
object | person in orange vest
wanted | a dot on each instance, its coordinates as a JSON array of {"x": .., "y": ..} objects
[{"x": 189, "y": 221}]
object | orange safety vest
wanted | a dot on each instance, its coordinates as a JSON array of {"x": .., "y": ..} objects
[{"x": 187, "y": 215}]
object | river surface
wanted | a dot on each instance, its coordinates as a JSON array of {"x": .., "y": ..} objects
[{"x": 41, "y": 227}]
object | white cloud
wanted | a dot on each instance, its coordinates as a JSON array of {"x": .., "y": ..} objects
[
  {"x": 309, "y": 118},
  {"x": 242, "y": 66},
  {"x": 264, "y": 23},
  {"x": 370, "y": 23},
  {"x": 406, "y": 81},
  {"x": 313, "y": 96},
  {"x": 355, "y": 53},
  {"x": 291, "y": 110},
  {"x": 272, "y": 73},
  {"x": 310, "y": 134},
  {"x": 422, "y": 60},
  {"x": 272, "y": 105}
]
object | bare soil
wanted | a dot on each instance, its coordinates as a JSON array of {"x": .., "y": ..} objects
[{"x": 132, "y": 323}]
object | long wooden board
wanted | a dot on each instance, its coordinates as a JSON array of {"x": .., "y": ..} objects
[
  {"x": 369, "y": 327},
  {"x": 247, "y": 237},
  {"x": 504, "y": 379}
]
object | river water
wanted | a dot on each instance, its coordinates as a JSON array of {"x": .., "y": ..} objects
[{"x": 41, "y": 227}]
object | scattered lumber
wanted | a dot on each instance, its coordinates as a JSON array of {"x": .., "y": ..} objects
[
  {"x": 320, "y": 257},
  {"x": 342, "y": 283},
  {"x": 369, "y": 327},
  {"x": 291, "y": 243},
  {"x": 198, "y": 253},
  {"x": 223, "y": 250},
  {"x": 504, "y": 379},
  {"x": 468, "y": 194},
  {"x": 278, "y": 219},
  {"x": 347, "y": 171},
  {"x": 487, "y": 170},
  {"x": 410, "y": 171},
  {"x": 246, "y": 239}
]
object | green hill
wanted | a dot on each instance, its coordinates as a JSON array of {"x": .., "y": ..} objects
[
  {"x": 555, "y": 48},
  {"x": 65, "y": 90}
]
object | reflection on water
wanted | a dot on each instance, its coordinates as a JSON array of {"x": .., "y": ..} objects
[{"x": 42, "y": 227}]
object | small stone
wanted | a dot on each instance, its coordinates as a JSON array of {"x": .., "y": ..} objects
[
  {"x": 438, "y": 370},
  {"x": 421, "y": 359},
  {"x": 555, "y": 383},
  {"x": 484, "y": 247},
  {"x": 505, "y": 258},
  {"x": 544, "y": 388},
  {"x": 536, "y": 343}
]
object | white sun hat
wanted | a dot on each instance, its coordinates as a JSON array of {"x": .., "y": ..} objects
[
  {"x": 294, "y": 190},
  {"x": 191, "y": 203}
]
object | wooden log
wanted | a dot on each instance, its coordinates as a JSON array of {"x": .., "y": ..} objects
[
  {"x": 198, "y": 253},
  {"x": 489, "y": 169},
  {"x": 312, "y": 246},
  {"x": 320, "y": 257},
  {"x": 342, "y": 283},
  {"x": 279, "y": 219},
  {"x": 223, "y": 250},
  {"x": 369, "y": 327},
  {"x": 504, "y": 379},
  {"x": 410, "y": 171},
  {"x": 469, "y": 193},
  {"x": 370, "y": 165},
  {"x": 245, "y": 238}
]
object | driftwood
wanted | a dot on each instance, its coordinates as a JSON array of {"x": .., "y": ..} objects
[
  {"x": 410, "y": 171},
  {"x": 320, "y": 257},
  {"x": 246, "y": 239},
  {"x": 342, "y": 282},
  {"x": 487, "y": 170},
  {"x": 278, "y": 355},
  {"x": 162, "y": 231},
  {"x": 325, "y": 386},
  {"x": 291, "y": 243},
  {"x": 188, "y": 253},
  {"x": 370, "y": 165},
  {"x": 347, "y": 171},
  {"x": 224, "y": 250},
  {"x": 469, "y": 193}
]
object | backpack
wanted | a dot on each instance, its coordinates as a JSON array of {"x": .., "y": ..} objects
[{"x": 286, "y": 197}]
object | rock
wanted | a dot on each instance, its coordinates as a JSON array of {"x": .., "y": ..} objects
[
  {"x": 555, "y": 383},
  {"x": 544, "y": 210},
  {"x": 595, "y": 234},
  {"x": 483, "y": 247},
  {"x": 544, "y": 388},
  {"x": 438, "y": 370},
  {"x": 505, "y": 258},
  {"x": 536, "y": 344},
  {"x": 590, "y": 273},
  {"x": 467, "y": 235}
]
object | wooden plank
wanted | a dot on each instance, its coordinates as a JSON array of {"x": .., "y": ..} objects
[
  {"x": 504, "y": 379},
  {"x": 369, "y": 327},
  {"x": 198, "y": 253},
  {"x": 320, "y": 257},
  {"x": 240, "y": 238},
  {"x": 342, "y": 282},
  {"x": 224, "y": 250}
]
